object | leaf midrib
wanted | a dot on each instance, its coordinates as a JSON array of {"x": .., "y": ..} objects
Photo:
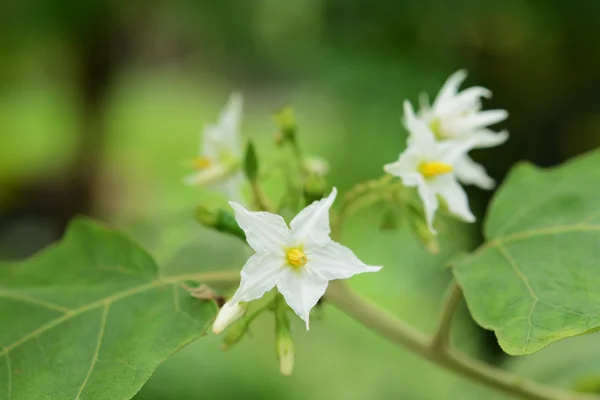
[
  {"x": 203, "y": 277},
  {"x": 534, "y": 233}
]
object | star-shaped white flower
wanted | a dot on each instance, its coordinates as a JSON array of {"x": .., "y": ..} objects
[
  {"x": 465, "y": 168},
  {"x": 458, "y": 115},
  {"x": 299, "y": 260},
  {"x": 219, "y": 159},
  {"x": 431, "y": 167}
]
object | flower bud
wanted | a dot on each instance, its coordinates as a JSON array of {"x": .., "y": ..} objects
[
  {"x": 315, "y": 165},
  {"x": 284, "y": 343},
  {"x": 422, "y": 232},
  {"x": 229, "y": 313},
  {"x": 214, "y": 217},
  {"x": 286, "y": 120},
  {"x": 285, "y": 354}
]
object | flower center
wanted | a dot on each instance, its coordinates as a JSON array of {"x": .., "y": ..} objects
[
  {"x": 436, "y": 127},
  {"x": 432, "y": 169},
  {"x": 202, "y": 162},
  {"x": 296, "y": 257}
]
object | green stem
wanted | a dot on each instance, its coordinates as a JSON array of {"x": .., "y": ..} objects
[
  {"x": 260, "y": 199},
  {"x": 398, "y": 332},
  {"x": 441, "y": 338},
  {"x": 360, "y": 196}
]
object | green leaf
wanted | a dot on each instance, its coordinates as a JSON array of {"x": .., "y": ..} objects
[
  {"x": 91, "y": 318},
  {"x": 535, "y": 280},
  {"x": 251, "y": 163}
]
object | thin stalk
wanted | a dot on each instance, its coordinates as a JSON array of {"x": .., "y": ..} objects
[{"x": 398, "y": 332}]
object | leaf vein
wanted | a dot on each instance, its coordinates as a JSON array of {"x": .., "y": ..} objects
[
  {"x": 534, "y": 233},
  {"x": 9, "y": 368},
  {"x": 223, "y": 276},
  {"x": 31, "y": 300},
  {"x": 97, "y": 349},
  {"x": 177, "y": 306},
  {"x": 513, "y": 263}
]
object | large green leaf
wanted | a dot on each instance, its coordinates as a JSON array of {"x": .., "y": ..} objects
[
  {"x": 91, "y": 318},
  {"x": 536, "y": 279}
]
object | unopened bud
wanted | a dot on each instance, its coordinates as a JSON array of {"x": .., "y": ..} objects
[
  {"x": 425, "y": 236},
  {"x": 229, "y": 313},
  {"x": 315, "y": 165},
  {"x": 214, "y": 217},
  {"x": 234, "y": 334},
  {"x": 284, "y": 343},
  {"x": 286, "y": 120},
  {"x": 314, "y": 188},
  {"x": 285, "y": 354}
]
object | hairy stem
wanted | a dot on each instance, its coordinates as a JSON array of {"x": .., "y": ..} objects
[{"x": 398, "y": 332}]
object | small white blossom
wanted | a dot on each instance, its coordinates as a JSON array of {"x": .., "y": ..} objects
[
  {"x": 466, "y": 169},
  {"x": 228, "y": 314},
  {"x": 220, "y": 156},
  {"x": 458, "y": 115},
  {"x": 299, "y": 260},
  {"x": 431, "y": 167}
]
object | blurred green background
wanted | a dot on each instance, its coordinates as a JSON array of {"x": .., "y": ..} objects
[{"x": 101, "y": 101}]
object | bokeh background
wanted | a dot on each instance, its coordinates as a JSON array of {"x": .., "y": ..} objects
[{"x": 102, "y": 101}]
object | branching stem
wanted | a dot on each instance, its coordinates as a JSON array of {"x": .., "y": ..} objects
[{"x": 398, "y": 332}]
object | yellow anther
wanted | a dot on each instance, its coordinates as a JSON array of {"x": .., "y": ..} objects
[
  {"x": 434, "y": 168},
  {"x": 296, "y": 257},
  {"x": 202, "y": 162}
]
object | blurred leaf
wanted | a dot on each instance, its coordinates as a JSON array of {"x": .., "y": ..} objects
[
  {"x": 91, "y": 318},
  {"x": 535, "y": 281},
  {"x": 251, "y": 163}
]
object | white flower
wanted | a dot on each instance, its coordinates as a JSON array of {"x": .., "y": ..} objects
[
  {"x": 299, "y": 260},
  {"x": 457, "y": 115},
  {"x": 431, "y": 166},
  {"x": 219, "y": 159},
  {"x": 228, "y": 314},
  {"x": 465, "y": 168}
]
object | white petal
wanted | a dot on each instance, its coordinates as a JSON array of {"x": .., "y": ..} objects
[
  {"x": 334, "y": 261},
  {"x": 228, "y": 314},
  {"x": 450, "y": 87},
  {"x": 264, "y": 231},
  {"x": 407, "y": 164},
  {"x": 231, "y": 187},
  {"x": 486, "y": 138},
  {"x": 207, "y": 176},
  {"x": 421, "y": 138},
  {"x": 450, "y": 151},
  {"x": 471, "y": 173},
  {"x": 311, "y": 225},
  {"x": 467, "y": 100},
  {"x": 410, "y": 178},
  {"x": 480, "y": 120},
  {"x": 260, "y": 274},
  {"x": 450, "y": 190},
  {"x": 430, "y": 203},
  {"x": 229, "y": 122},
  {"x": 424, "y": 104},
  {"x": 302, "y": 289}
]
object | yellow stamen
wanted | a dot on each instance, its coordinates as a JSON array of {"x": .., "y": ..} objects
[
  {"x": 202, "y": 162},
  {"x": 434, "y": 168},
  {"x": 296, "y": 257}
]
